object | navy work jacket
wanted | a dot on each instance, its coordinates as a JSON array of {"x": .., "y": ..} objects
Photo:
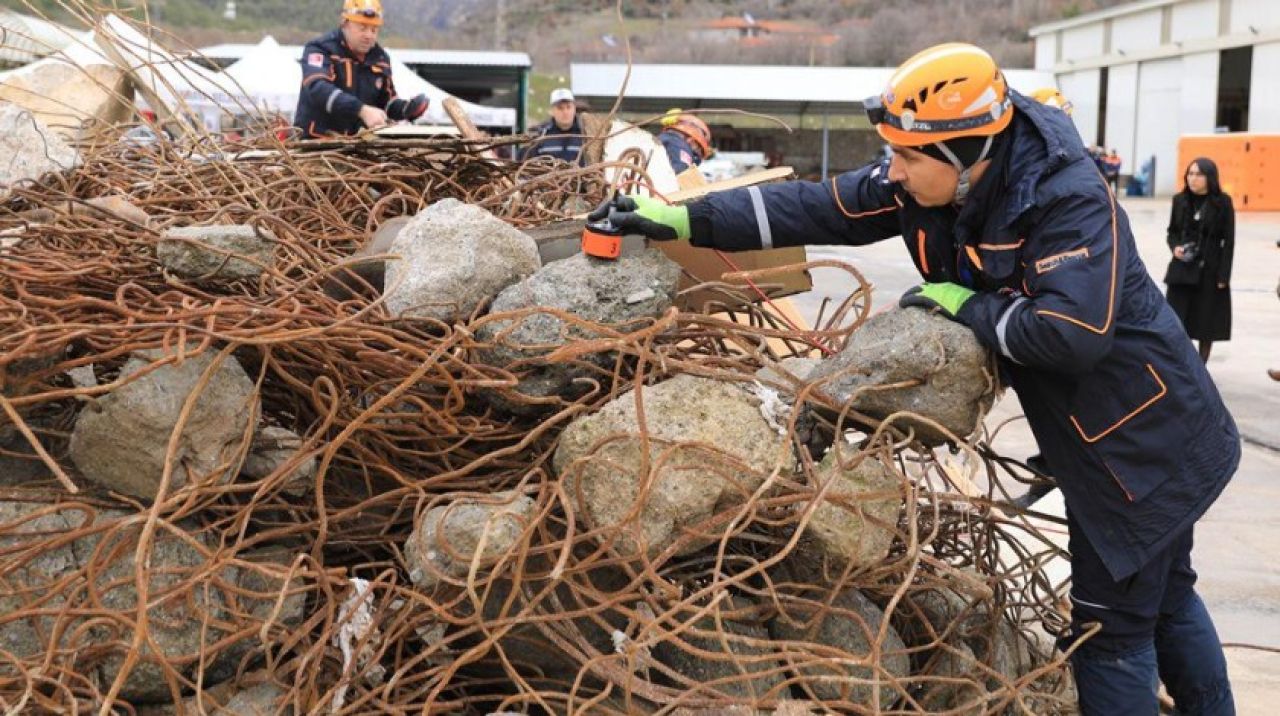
[
  {"x": 1128, "y": 419},
  {"x": 336, "y": 85},
  {"x": 552, "y": 141},
  {"x": 679, "y": 150}
]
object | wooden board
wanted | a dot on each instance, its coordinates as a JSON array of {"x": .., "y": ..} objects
[
  {"x": 763, "y": 176},
  {"x": 416, "y": 131}
]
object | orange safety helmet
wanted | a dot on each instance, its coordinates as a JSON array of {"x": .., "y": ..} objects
[
  {"x": 946, "y": 92},
  {"x": 1053, "y": 97},
  {"x": 692, "y": 127},
  {"x": 365, "y": 12}
]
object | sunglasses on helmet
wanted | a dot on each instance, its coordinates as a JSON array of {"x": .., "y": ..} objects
[
  {"x": 367, "y": 12},
  {"x": 877, "y": 113}
]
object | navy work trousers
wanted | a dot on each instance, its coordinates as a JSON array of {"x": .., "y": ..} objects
[{"x": 1154, "y": 626}]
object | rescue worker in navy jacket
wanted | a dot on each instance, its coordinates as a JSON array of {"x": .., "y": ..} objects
[
  {"x": 346, "y": 78},
  {"x": 686, "y": 138},
  {"x": 561, "y": 136},
  {"x": 1018, "y": 237}
]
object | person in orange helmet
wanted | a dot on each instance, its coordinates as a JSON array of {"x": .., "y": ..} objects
[
  {"x": 1053, "y": 97},
  {"x": 1018, "y": 238},
  {"x": 346, "y": 78},
  {"x": 687, "y": 139}
]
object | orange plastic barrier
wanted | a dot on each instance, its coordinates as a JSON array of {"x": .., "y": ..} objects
[{"x": 1248, "y": 165}]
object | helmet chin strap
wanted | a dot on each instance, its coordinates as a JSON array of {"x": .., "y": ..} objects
[{"x": 963, "y": 185}]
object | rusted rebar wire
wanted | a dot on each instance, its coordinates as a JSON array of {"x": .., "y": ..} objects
[{"x": 263, "y": 572}]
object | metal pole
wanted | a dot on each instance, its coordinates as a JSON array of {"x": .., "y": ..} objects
[{"x": 826, "y": 143}]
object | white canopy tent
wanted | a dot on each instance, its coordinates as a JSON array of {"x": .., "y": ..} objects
[{"x": 271, "y": 75}]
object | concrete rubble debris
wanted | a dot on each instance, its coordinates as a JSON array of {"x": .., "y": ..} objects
[
  {"x": 634, "y": 287},
  {"x": 956, "y": 383},
  {"x": 230, "y": 251},
  {"x": 855, "y": 522},
  {"x": 275, "y": 447},
  {"x": 453, "y": 258},
  {"x": 735, "y": 642},
  {"x": 63, "y": 96},
  {"x": 254, "y": 695},
  {"x": 851, "y": 623},
  {"x": 709, "y": 448},
  {"x": 121, "y": 440},
  {"x": 470, "y": 532},
  {"x": 28, "y": 148}
]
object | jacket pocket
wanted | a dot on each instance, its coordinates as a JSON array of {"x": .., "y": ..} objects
[
  {"x": 1122, "y": 421},
  {"x": 997, "y": 262}
]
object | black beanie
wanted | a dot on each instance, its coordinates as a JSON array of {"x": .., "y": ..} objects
[{"x": 966, "y": 149}]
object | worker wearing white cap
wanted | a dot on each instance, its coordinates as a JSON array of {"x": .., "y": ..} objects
[{"x": 560, "y": 136}]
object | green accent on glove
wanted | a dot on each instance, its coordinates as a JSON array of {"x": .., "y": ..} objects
[
  {"x": 659, "y": 212},
  {"x": 949, "y": 297}
]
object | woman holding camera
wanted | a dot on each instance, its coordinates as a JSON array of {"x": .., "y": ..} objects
[{"x": 1202, "y": 235}]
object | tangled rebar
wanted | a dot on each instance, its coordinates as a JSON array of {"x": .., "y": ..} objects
[{"x": 111, "y": 602}]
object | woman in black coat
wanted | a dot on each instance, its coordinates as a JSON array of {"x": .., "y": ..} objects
[{"x": 1202, "y": 236}]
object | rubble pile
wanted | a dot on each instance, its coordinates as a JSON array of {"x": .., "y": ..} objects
[{"x": 485, "y": 485}]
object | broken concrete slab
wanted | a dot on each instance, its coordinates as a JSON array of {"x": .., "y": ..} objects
[
  {"x": 633, "y": 288},
  {"x": 708, "y": 449},
  {"x": 452, "y": 537},
  {"x": 855, "y": 523},
  {"x": 120, "y": 441},
  {"x": 851, "y": 624},
  {"x": 222, "y": 251},
  {"x": 735, "y": 645},
  {"x": 453, "y": 258},
  {"x": 63, "y": 96},
  {"x": 275, "y": 447},
  {"x": 29, "y": 148},
  {"x": 952, "y": 377}
]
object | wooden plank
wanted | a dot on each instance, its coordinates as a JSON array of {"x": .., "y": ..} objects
[
  {"x": 415, "y": 131},
  {"x": 763, "y": 176}
]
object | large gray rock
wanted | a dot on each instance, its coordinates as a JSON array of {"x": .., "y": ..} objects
[
  {"x": 636, "y": 286},
  {"x": 254, "y": 695},
  {"x": 734, "y": 644},
  {"x": 275, "y": 447},
  {"x": 121, "y": 440},
  {"x": 63, "y": 95},
  {"x": 854, "y": 524},
  {"x": 221, "y": 251},
  {"x": 851, "y": 624},
  {"x": 454, "y": 257},
  {"x": 709, "y": 449},
  {"x": 450, "y": 537},
  {"x": 28, "y": 148},
  {"x": 94, "y": 577},
  {"x": 910, "y": 344}
]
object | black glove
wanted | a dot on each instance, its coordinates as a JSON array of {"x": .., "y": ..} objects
[
  {"x": 651, "y": 218},
  {"x": 408, "y": 109}
]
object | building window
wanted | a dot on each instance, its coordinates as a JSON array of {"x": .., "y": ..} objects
[
  {"x": 1101, "y": 135},
  {"x": 1235, "y": 68}
]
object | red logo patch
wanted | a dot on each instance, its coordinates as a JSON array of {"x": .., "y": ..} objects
[{"x": 315, "y": 59}]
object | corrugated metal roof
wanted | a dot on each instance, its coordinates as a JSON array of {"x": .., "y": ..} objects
[
  {"x": 753, "y": 84},
  {"x": 235, "y": 51}
]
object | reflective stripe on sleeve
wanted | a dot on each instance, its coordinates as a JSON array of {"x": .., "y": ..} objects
[
  {"x": 1002, "y": 326},
  {"x": 762, "y": 217}
]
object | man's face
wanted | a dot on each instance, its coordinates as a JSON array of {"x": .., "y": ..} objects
[
  {"x": 360, "y": 37},
  {"x": 563, "y": 112},
  {"x": 928, "y": 181}
]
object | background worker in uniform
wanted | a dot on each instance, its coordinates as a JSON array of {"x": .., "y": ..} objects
[
  {"x": 346, "y": 78},
  {"x": 1053, "y": 97},
  {"x": 561, "y": 136},
  {"x": 686, "y": 138},
  {"x": 1018, "y": 238}
]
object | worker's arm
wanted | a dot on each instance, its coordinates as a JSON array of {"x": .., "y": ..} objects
[
  {"x": 1174, "y": 235},
  {"x": 1065, "y": 320},
  {"x": 320, "y": 85},
  {"x": 856, "y": 208}
]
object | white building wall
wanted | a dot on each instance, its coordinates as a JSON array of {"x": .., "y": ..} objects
[
  {"x": 1081, "y": 89},
  {"x": 1122, "y": 96},
  {"x": 1199, "y": 95},
  {"x": 1264, "y": 90},
  {"x": 1261, "y": 14},
  {"x": 1139, "y": 31},
  {"x": 1046, "y": 51},
  {"x": 1159, "y": 99},
  {"x": 1082, "y": 42},
  {"x": 1193, "y": 20}
]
